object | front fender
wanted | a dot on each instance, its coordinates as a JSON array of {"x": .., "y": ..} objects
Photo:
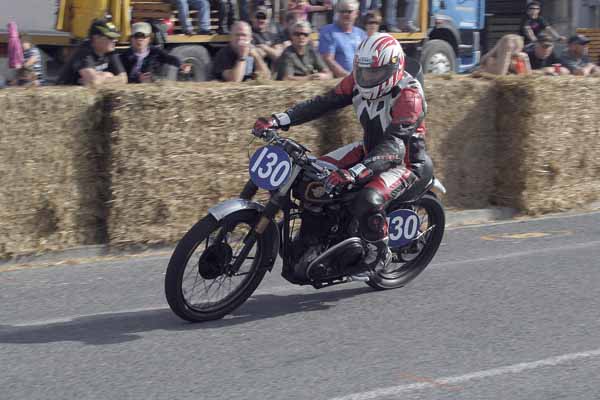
[{"x": 270, "y": 236}]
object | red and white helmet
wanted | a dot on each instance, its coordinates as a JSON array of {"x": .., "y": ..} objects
[{"x": 378, "y": 65}]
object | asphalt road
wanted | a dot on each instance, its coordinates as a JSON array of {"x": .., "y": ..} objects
[{"x": 505, "y": 311}]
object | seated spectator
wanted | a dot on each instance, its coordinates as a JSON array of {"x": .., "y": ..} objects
[
  {"x": 143, "y": 62},
  {"x": 372, "y": 22},
  {"x": 264, "y": 39},
  {"x": 575, "y": 58},
  {"x": 95, "y": 62},
  {"x": 542, "y": 58},
  {"x": 285, "y": 38},
  {"x": 239, "y": 60},
  {"x": 302, "y": 7},
  {"x": 203, "y": 8},
  {"x": 300, "y": 61},
  {"x": 338, "y": 41},
  {"x": 507, "y": 57},
  {"x": 32, "y": 70},
  {"x": 533, "y": 24}
]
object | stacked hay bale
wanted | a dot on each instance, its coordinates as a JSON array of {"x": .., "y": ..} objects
[
  {"x": 52, "y": 194},
  {"x": 548, "y": 143},
  {"x": 179, "y": 149}
]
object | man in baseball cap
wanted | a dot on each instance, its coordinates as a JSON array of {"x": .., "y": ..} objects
[
  {"x": 575, "y": 57},
  {"x": 95, "y": 62},
  {"x": 103, "y": 28}
]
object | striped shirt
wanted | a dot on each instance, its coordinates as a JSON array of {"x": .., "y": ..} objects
[{"x": 36, "y": 67}]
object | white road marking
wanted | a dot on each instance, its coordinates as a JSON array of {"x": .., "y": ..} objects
[{"x": 488, "y": 373}]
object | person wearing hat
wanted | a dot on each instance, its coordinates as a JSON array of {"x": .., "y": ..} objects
[
  {"x": 575, "y": 57},
  {"x": 143, "y": 62},
  {"x": 266, "y": 41},
  {"x": 542, "y": 57},
  {"x": 95, "y": 62},
  {"x": 533, "y": 24}
]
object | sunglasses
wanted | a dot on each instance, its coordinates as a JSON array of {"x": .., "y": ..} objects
[
  {"x": 140, "y": 35},
  {"x": 533, "y": 8},
  {"x": 372, "y": 23},
  {"x": 346, "y": 11},
  {"x": 546, "y": 45},
  {"x": 261, "y": 16},
  {"x": 305, "y": 34}
]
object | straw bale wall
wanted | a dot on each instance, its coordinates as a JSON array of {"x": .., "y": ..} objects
[
  {"x": 179, "y": 149},
  {"x": 52, "y": 195},
  {"x": 138, "y": 164},
  {"x": 548, "y": 143}
]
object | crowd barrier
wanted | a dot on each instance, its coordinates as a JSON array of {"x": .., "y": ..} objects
[{"x": 138, "y": 165}]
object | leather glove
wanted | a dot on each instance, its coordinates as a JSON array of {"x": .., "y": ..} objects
[
  {"x": 263, "y": 124},
  {"x": 277, "y": 121},
  {"x": 338, "y": 180}
]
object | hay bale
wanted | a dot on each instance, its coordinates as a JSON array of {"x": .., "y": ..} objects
[
  {"x": 549, "y": 141},
  {"x": 179, "y": 149},
  {"x": 51, "y": 196}
]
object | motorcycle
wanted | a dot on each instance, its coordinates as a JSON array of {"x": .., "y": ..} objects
[{"x": 222, "y": 259}]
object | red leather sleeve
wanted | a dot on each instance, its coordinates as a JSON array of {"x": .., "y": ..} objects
[
  {"x": 345, "y": 86},
  {"x": 408, "y": 109}
]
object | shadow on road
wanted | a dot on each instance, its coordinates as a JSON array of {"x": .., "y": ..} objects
[{"x": 125, "y": 326}]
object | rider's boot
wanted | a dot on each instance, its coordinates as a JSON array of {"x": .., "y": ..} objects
[{"x": 378, "y": 259}]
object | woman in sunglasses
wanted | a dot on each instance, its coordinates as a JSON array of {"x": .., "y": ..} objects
[
  {"x": 300, "y": 61},
  {"x": 142, "y": 61},
  {"x": 372, "y": 22}
]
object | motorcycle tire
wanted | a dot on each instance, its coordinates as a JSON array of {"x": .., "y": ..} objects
[
  {"x": 210, "y": 266},
  {"x": 436, "y": 220}
]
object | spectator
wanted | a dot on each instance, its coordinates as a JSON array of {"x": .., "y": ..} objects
[
  {"x": 239, "y": 61},
  {"x": 372, "y": 22},
  {"x": 507, "y": 57},
  {"x": 533, "y": 24},
  {"x": 411, "y": 15},
  {"x": 542, "y": 58},
  {"x": 338, "y": 41},
  {"x": 302, "y": 7},
  {"x": 575, "y": 57},
  {"x": 285, "y": 38},
  {"x": 203, "y": 8},
  {"x": 33, "y": 70},
  {"x": 300, "y": 61},
  {"x": 95, "y": 62},
  {"x": 142, "y": 61},
  {"x": 365, "y": 6},
  {"x": 263, "y": 38}
]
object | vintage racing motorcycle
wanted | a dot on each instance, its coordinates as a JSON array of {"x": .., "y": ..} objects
[{"x": 222, "y": 259}]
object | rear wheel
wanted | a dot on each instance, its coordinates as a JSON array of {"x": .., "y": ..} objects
[
  {"x": 409, "y": 261},
  {"x": 201, "y": 283}
]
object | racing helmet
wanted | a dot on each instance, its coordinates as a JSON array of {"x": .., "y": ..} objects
[{"x": 378, "y": 65}]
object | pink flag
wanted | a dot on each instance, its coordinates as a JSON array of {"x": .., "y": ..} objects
[{"x": 15, "y": 50}]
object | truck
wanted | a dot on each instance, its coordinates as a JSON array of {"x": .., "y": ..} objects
[{"x": 449, "y": 38}]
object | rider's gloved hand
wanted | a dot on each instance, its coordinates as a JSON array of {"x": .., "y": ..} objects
[
  {"x": 263, "y": 124},
  {"x": 338, "y": 180},
  {"x": 341, "y": 178},
  {"x": 275, "y": 121}
]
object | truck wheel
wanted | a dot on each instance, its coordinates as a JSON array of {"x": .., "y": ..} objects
[
  {"x": 437, "y": 57},
  {"x": 197, "y": 56}
]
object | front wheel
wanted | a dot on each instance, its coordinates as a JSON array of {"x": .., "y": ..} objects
[
  {"x": 201, "y": 282},
  {"x": 410, "y": 261}
]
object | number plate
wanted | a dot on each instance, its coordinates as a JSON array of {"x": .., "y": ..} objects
[
  {"x": 270, "y": 167},
  {"x": 403, "y": 227}
]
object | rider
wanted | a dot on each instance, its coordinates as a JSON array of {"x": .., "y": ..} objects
[{"x": 390, "y": 105}]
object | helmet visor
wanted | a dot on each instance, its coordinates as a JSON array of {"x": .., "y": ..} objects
[{"x": 368, "y": 77}]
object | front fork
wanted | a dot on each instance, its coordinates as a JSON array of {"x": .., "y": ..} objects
[{"x": 276, "y": 203}]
